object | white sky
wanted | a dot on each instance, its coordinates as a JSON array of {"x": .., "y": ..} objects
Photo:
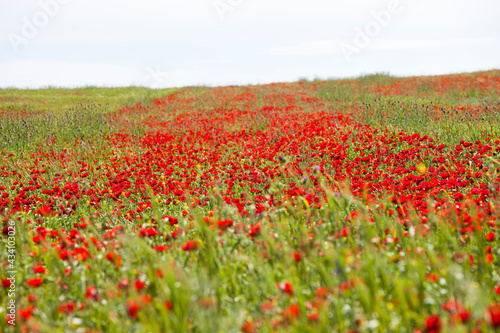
[{"x": 166, "y": 43}]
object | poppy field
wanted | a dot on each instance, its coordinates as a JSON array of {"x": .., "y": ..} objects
[{"x": 356, "y": 205}]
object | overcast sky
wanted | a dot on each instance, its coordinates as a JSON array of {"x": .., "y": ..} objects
[{"x": 167, "y": 43}]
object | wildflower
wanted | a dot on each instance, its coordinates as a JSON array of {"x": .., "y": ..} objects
[
  {"x": 190, "y": 246},
  {"x": 40, "y": 269},
  {"x": 172, "y": 220},
  {"x": 493, "y": 312},
  {"x": 34, "y": 282},
  {"x": 313, "y": 316},
  {"x": 456, "y": 310},
  {"x": 255, "y": 230},
  {"x": 248, "y": 327},
  {"x": 133, "y": 308},
  {"x": 285, "y": 287},
  {"x": 150, "y": 232},
  {"x": 123, "y": 284},
  {"x": 26, "y": 312},
  {"x": 224, "y": 224},
  {"x": 67, "y": 307},
  {"x": 433, "y": 324},
  {"x": 292, "y": 312},
  {"x": 82, "y": 253},
  {"x": 44, "y": 211},
  {"x": 64, "y": 254},
  {"x": 37, "y": 239},
  {"x": 6, "y": 283},
  {"x": 139, "y": 285},
  {"x": 92, "y": 294}
]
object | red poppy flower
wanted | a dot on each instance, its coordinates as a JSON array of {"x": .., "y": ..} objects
[
  {"x": 489, "y": 258},
  {"x": 171, "y": 220},
  {"x": 67, "y": 307},
  {"x": 40, "y": 269},
  {"x": 456, "y": 310},
  {"x": 322, "y": 292},
  {"x": 248, "y": 327},
  {"x": 224, "y": 224},
  {"x": 150, "y": 232},
  {"x": 37, "y": 239},
  {"x": 255, "y": 230},
  {"x": 82, "y": 253},
  {"x": 34, "y": 282},
  {"x": 44, "y": 211},
  {"x": 433, "y": 324},
  {"x": 26, "y": 312},
  {"x": 32, "y": 298},
  {"x": 162, "y": 248},
  {"x": 190, "y": 246},
  {"x": 139, "y": 285},
  {"x": 111, "y": 256},
  {"x": 490, "y": 236},
  {"x": 64, "y": 254},
  {"x": 292, "y": 312},
  {"x": 6, "y": 283},
  {"x": 133, "y": 309},
  {"x": 493, "y": 312},
  {"x": 92, "y": 294},
  {"x": 285, "y": 287},
  {"x": 313, "y": 316}
]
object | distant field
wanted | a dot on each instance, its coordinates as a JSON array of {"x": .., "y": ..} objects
[
  {"x": 31, "y": 116},
  {"x": 355, "y": 205}
]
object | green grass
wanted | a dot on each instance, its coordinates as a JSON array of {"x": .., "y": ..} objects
[
  {"x": 58, "y": 100},
  {"x": 420, "y": 108},
  {"x": 30, "y": 119}
]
